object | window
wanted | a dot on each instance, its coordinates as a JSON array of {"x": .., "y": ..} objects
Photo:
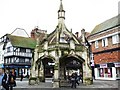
[
  {"x": 118, "y": 72},
  {"x": 27, "y": 60},
  {"x": 96, "y": 44},
  {"x": 104, "y": 42},
  {"x": 108, "y": 72},
  {"x": 62, "y": 39},
  {"x": 21, "y": 60},
  {"x": 28, "y": 50},
  {"x": 101, "y": 73},
  {"x": 8, "y": 49},
  {"x": 22, "y": 50},
  {"x": 115, "y": 39}
]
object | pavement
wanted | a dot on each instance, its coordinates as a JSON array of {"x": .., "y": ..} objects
[{"x": 97, "y": 85}]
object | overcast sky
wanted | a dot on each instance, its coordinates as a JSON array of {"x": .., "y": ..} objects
[{"x": 80, "y": 14}]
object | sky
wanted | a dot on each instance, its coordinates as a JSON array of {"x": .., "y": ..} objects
[{"x": 27, "y": 14}]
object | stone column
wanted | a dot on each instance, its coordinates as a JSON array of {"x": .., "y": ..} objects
[
  {"x": 87, "y": 71},
  {"x": 56, "y": 81},
  {"x": 41, "y": 72},
  {"x": 34, "y": 67}
]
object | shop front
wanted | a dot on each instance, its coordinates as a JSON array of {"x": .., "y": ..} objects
[{"x": 109, "y": 71}]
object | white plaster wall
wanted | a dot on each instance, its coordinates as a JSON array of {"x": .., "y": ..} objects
[
  {"x": 96, "y": 73},
  {"x": 8, "y": 44},
  {"x": 20, "y": 32},
  {"x": 1, "y": 53},
  {"x": 114, "y": 73}
]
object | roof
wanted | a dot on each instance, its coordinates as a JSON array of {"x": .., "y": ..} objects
[
  {"x": 24, "y": 42},
  {"x": 62, "y": 32},
  {"x": 113, "y": 22},
  {"x": 61, "y": 7}
]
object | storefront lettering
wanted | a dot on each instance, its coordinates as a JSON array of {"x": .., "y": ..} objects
[
  {"x": 117, "y": 64},
  {"x": 103, "y": 66}
]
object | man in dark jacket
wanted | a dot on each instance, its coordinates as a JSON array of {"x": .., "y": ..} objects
[
  {"x": 5, "y": 81},
  {"x": 73, "y": 80}
]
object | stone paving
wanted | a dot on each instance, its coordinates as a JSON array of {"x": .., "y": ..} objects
[{"x": 96, "y": 84}]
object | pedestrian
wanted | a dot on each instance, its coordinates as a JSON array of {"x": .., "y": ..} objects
[
  {"x": 73, "y": 81},
  {"x": 81, "y": 77},
  {"x": 3, "y": 80},
  {"x": 11, "y": 80},
  {"x": 21, "y": 75},
  {"x": 77, "y": 78}
]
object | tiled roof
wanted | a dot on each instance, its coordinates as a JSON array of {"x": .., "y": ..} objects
[
  {"x": 113, "y": 22},
  {"x": 22, "y": 41}
]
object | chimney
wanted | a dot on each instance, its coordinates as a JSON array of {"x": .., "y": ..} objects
[
  {"x": 77, "y": 34},
  {"x": 33, "y": 32},
  {"x": 83, "y": 35}
]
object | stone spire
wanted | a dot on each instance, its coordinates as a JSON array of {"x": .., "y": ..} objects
[
  {"x": 61, "y": 6},
  {"x": 61, "y": 11}
]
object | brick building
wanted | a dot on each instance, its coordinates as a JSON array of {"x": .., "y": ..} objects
[{"x": 105, "y": 45}]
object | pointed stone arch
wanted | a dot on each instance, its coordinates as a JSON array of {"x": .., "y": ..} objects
[
  {"x": 45, "y": 66},
  {"x": 70, "y": 63}
]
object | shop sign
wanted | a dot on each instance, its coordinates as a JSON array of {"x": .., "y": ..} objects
[
  {"x": 117, "y": 64},
  {"x": 103, "y": 65}
]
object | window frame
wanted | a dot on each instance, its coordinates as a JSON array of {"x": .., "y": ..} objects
[
  {"x": 96, "y": 44},
  {"x": 104, "y": 42},
  {"x": 115, "y": 39}
]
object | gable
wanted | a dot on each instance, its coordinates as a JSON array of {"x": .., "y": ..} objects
[
  {"x": 20, "y": 32},
  {"x": 63, "y": 35}
]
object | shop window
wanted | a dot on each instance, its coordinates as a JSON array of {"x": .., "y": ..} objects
[
  {"x": 101, "y": 73},
  {"x": 118, "y": 72},
  {"x": 108, "y": 72}
]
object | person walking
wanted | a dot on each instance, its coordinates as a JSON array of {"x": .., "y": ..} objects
[
  {"x": 73, "y": 81},
  {"x": 3, "y": 80},
  {"x": 21, "y": 75},
  {"x": 77, "y": 78},
  {"x": 11, "y": 80}
]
